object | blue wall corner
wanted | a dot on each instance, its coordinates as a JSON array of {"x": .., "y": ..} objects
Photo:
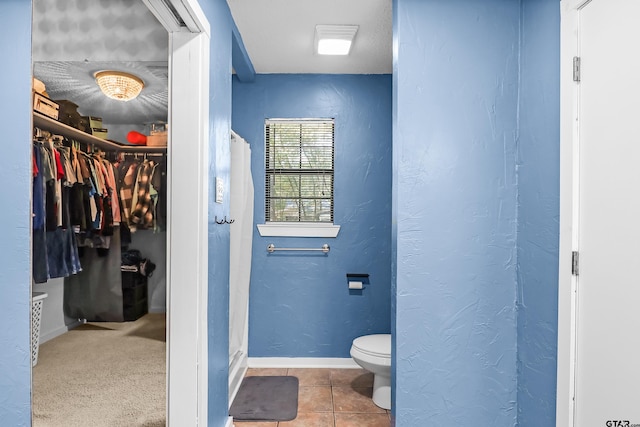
[
  {"x": 456, "y": 84},
  {"x": 15, "y": 173},
  {"x": 240, "y": 58},
  {"x": 219, "y": 16},
  {"x": 538, "y": 212},
  {"x": 300, "y": 305}
]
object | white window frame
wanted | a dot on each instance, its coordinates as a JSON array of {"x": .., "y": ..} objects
[{"x": 299, "y": 229}]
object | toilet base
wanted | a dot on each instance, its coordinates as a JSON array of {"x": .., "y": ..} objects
[{"x": 382, "y": 391}]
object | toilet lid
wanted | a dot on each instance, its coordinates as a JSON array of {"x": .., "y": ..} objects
[{"x": 374, "y": 345}]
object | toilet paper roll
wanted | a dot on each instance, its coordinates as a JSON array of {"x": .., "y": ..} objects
[{"x": 355, "y": 285}]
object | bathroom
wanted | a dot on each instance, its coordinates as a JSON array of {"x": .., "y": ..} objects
[
  {"x": 301, "y": 310},
  {"x": 300, "y": 304},
  {"x": 432, "y": 249},
  {"x": 472, "y": 211}
]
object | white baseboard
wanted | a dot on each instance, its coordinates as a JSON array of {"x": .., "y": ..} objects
[
  {"x": 58, "y": 331},
  {"x": 229, "y": 422},
  {"x": 302, "y": 362}
]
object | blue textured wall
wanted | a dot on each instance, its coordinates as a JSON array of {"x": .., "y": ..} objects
[
  {"x": 455, "y": 124},
  {"x": 299, "y": 302},
  {"x": 538, "y": 212},
  {"x": 15, "y": 168},
  {"x": 219, "y": 17}
]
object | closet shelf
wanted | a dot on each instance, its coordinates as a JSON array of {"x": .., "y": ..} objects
[{"x": 47, "y": 123}]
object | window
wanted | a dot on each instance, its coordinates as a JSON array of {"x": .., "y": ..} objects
[{"x": 299, "y": 161}]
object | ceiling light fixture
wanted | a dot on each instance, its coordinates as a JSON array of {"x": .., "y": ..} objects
[
  {"x": 334, "y": 39},
  {"x": 119, "y": 85}
]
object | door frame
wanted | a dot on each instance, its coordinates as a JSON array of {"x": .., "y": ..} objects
[
  {"x": 569, "y": 219},
  {"x": 187, "y": 225},
  {"x": 187, "y": 209}
]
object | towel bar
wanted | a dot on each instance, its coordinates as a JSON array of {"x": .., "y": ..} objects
[{"x": 272, "y": 248}]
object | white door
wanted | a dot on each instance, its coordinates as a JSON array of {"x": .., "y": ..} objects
[{"x": 607, "y": 370}]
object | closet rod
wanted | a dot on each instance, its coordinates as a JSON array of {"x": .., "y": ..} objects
[{"x": 46, "y": 123}]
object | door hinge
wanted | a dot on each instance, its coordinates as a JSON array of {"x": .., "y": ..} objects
[
  {"x": 576, "y": 68},
  {"x": 575, "y": 263}
]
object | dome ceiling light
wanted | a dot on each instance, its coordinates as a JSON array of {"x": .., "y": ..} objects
[{"x": 119, "y": 85}]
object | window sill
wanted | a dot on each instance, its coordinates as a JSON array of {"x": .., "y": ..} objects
[{"x": 300, "y": 229}]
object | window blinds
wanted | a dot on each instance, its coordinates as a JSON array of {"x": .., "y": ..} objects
[{"x": 299, "y": 164}]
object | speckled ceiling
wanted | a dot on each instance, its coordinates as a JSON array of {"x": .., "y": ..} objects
[{"x": 72, "y": 39}]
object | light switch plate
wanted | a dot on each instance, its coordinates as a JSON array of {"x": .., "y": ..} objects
[{"x": 219, "y": 190}]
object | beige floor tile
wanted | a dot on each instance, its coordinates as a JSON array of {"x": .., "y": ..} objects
[
  {"x": 314, "y": 399},
  {"x": 317, "y": 419},
  {"x": 347, "y": 399},
  {"x": 351, "y": 377},
  {"x": 362, "y": 420},
  {"x": 266, "y": 372},
  {"x": 254, "y": 424},
  {"x": 311, "y": 377},
  {"x": 329, "y": 398}
]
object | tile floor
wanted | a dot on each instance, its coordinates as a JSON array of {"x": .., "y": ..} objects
[{"x": 329, "y": 398}]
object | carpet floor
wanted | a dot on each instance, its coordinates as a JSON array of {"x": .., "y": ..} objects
[{"x": 103, "y": 374}]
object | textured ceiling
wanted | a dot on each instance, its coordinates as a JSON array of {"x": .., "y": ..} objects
[
  {"x": 97, "y": 30},
  {"x": 72, "y": 39},
  {"x": 74, "y": 81},
  {"x": 279, "y": 35}
]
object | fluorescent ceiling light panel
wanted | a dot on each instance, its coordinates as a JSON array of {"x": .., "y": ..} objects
[{"x": 334, "y": 39}]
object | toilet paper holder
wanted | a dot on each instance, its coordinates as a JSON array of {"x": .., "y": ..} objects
[{"x": 356, "y": 281}]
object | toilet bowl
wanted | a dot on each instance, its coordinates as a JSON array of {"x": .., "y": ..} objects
[{"x": 373, "y": 353}]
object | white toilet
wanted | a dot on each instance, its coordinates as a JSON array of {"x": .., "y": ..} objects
[{"x": 373, "y": 353}]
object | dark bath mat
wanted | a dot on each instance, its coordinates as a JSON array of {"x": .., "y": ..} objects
[{"x": 266, "y": 399}]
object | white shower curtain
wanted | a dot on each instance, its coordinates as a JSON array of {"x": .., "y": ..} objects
[{"x": 241, "y": 211}]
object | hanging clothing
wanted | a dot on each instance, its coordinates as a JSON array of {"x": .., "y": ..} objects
[
  {"x": 40, "y": 265},
  {"x": 141, "y": 185},
  {"x": 142, "y": 213},
  {"x": 128, "y": 176},
  {"x": 55, "y": 253}
]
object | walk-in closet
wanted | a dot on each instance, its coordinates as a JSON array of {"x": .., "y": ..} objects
[{"x": 99, "y": 212}]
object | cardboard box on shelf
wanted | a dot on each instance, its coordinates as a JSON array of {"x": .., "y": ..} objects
[
  {"x": 44, "y": 105},
  {"x": 99, "y": 133},
  {"x": 94, "y": 122},
  {"x": 157, "y": 140}
]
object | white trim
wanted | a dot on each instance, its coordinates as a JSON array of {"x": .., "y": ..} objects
[
  {"x": 188, "y": 229},
  {"x": 164, "y": 15},
  {"x": 298, "y": 229},
  {"x": 272, "y": 121},
  {"x": 565, "y": 386},
  {"x": 188, "y": 10},
  {"x": 201, "y": 94},
  {"x": 229, "y": 422},
  {"x": 302, "y": 362},
  {"x": 192, "y": 15}
]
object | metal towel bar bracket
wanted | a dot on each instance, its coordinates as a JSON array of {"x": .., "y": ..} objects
[{"x": 272, "y": 248}]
